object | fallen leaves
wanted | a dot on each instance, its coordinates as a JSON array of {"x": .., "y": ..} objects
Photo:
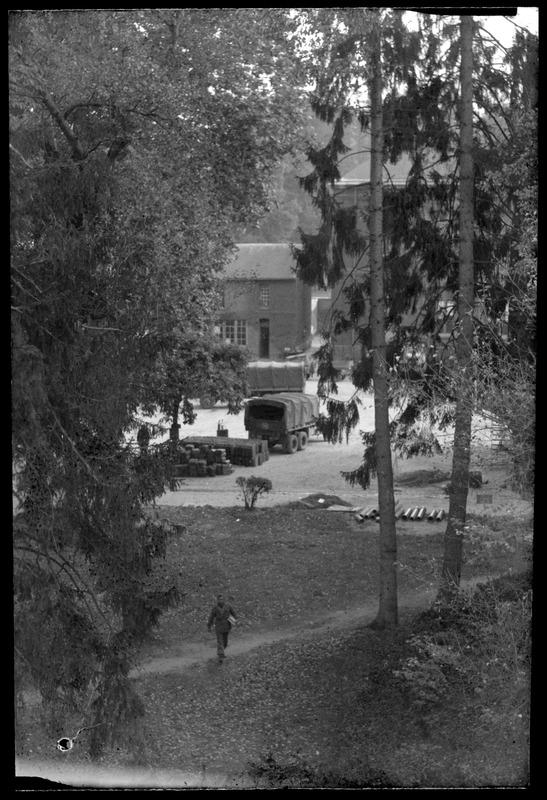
[{"x": 311, "y": 699}]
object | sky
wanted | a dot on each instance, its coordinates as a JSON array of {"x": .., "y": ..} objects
[
  {"x": 501, "y": 27},
  {"x": 503, "y": 30}
]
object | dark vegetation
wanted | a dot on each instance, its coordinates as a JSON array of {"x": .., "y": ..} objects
[
  {"x": 140, "y": 140},
  {"x": 114, "y": 299},
  {"x": 443, "y": 700}
]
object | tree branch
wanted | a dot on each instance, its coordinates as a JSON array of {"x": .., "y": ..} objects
[
  {"x": 65, "y": 127},
  {"x": 66, "y": 567},
  {"x": 76, "y": 106},
  {"x": 25, "y": 162},
  {"x": 74, "y": 448}
]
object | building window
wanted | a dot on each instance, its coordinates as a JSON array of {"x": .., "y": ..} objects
[
  {"x": 264, "y": 296},
  {"x": 234, "y": 331}
]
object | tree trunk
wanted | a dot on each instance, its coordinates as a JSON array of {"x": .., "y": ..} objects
[
  {"x": 453, "y": 540},
  {"x": 175, "y": 427},
  {"x": 387, "y": 612}
]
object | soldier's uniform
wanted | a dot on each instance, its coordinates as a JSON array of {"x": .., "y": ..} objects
[{"x": 219, "y": 615}]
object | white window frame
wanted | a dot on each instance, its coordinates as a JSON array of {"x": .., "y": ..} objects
[
  {"x": 264, "y": 295},
  {"x": 234, "y": 331}
]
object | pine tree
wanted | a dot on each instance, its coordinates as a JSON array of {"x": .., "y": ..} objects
[
  {"x": 387, "y": 612},
  {"x": 453, "y": 543},
  {"x": 322, "y": 261},
  {"x": 421, "y": 222}
]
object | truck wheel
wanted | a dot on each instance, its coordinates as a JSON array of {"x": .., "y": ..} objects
[
  {"x": 302, "y": 439},
  {"x": 291, "y": 443},
  {"x": 206, "y": 401}
]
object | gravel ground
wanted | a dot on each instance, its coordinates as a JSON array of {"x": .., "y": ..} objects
[{"x": 318, "y": 468}]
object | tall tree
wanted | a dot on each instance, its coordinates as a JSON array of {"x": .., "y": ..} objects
[
  {"x": 387, "y": 612},
  {"x": 506, "y": 374},
  {"x": 421, "y": 224},
  {"x": 139, "y": 140},
  {"x": 355, "y": 54},
  {"x": 453, "y": 543}
]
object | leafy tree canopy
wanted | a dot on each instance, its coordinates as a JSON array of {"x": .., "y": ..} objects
[{"x": 139, "y": 140}]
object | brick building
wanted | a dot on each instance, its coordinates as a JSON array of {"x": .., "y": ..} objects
[
  {"x": 266, "y": 307},
  {"x": 352, "y": 190}
]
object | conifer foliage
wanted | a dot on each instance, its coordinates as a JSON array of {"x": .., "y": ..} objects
[
  {"x": 138, "y": 140},
  {"x": 422, "y": 123},
  {"x": 421, "y": 219}
]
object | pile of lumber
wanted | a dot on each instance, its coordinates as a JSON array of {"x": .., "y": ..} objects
[{"x": 412, "y": 513}]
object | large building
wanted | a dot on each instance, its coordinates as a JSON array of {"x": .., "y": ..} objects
[
  {"x": 352, "y": 190},
  {"x": 267, "y": 309}
]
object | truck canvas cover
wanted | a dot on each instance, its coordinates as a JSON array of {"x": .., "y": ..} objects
[
  {"x": 299, "y": 409},
  {"x": 276, "y": 376}
]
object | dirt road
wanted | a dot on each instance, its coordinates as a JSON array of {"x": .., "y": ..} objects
[{"x": 199, "y": 652}]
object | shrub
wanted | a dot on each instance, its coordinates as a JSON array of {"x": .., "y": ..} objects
[
  {"x": 252, "y": 488},
  {"x": 481, "y": 650}
]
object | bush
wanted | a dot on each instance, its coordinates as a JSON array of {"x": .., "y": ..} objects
[
  {"x": 252, "y": 488},
  {"x": 480, "y": 650}
]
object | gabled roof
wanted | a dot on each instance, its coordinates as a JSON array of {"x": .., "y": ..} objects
[
  {"x": 394, "y": 174},
  {"x": 261, "y": 262},
  {"x": 355, "y": 164}
]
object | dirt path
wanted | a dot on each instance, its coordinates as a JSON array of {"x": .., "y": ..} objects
[{"x": 200, "y": 652}]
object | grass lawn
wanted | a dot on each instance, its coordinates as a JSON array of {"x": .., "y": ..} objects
[{"x": 436, "y": 702}]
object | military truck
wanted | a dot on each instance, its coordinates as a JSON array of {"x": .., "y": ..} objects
[
  {"x": 285, "y": 418},
  {"x": 268, "y": 377}
]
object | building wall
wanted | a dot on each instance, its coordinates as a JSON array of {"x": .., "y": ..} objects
[
  {"x": 345, "y": 346},
  {"x": 345, "y": 349},
  {"x": 287, "y": 312},
  {"x": 303, "y": 316},
  {"x": 323, "y": 308}
]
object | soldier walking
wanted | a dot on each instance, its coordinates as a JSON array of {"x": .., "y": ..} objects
[{"x": 220, "y": 615}]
